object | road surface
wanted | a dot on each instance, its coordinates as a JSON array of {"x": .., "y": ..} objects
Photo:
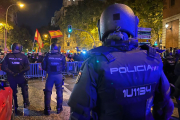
[{"x": 36, "y": 96}]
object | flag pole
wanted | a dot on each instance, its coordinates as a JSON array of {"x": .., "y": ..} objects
[
  {"x": 50, "y": 41},
  {"x": 34, "y": 40},
  {"x": 33, "y": 45}
]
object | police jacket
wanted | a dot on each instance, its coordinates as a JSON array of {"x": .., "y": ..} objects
[
  {"x": 177, "y": 83},
  {"x": 54, "y": 63},
  {"x": 15, "y": 63},
  {"x": 121, "y": 85}
]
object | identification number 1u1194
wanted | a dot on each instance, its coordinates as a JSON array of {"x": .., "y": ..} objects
[{"x": 138, "y": 91}]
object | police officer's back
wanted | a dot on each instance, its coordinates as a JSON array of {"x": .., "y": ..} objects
[
  {"x": 15, "y": 64},
  {"x": 120, "y": 81},
  {"x": 54, "y": 65}
]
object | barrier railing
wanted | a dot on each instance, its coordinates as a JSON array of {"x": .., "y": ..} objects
[
  {"x": 2, "y": 75},
  {"x": 35, "y": 71},
  {"x": 72, "y": 68}
]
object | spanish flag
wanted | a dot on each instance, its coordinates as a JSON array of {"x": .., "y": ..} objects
[
  {"x": 37, "y": 37},
  {"x": 55, "y": 33}
]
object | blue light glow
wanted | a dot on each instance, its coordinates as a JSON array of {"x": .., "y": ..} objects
[{"x": 84, "y": 52}]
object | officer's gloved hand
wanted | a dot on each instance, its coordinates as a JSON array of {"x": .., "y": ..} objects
[
  {"x": 16, "y": 74},
  {"x": 10, "y": 73}
]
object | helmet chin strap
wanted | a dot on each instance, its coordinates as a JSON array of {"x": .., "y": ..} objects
[
  {"x": 121, "y": 41},
  {"x": 118, "y": 35}
]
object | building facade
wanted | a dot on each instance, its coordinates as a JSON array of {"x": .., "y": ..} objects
[
  {"x": 62, "y": 12},
  {"x": 69, "y": 43},
  {"x": 171, "y": 24}
]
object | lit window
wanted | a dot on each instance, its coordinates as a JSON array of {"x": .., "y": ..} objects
[
  {"x": 68, "y": 0},
  {"x": 73, "y": 0}
]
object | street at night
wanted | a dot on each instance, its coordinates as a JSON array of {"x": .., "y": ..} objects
[
  {"x": 36, "y": 95},
  {"x": 90, "y": 60}
]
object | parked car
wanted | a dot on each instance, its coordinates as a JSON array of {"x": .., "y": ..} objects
[{"x": 7, "y": 111}]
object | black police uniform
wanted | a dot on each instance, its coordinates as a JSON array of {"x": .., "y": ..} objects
[
  {"x": 121, "y": 85},
  {"x": 168, "y": 67},
  {"x": 15, "y": 65},
  {"x": 176, "y": 94},
  {"x": 54, "y": 64}
]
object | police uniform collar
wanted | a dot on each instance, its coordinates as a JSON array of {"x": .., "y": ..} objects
[
  {"x": 54, "y": 53},
  {"x": 101, "y": 49},
  {"x": 105, "y": 51},
  {"x": 16, "y": 51}
]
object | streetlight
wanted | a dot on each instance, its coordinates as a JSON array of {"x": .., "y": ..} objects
[
  {"x": 45, "y": 36},
  {"x": 21, "y": 5},
  {"x": 5, "y": 38}
]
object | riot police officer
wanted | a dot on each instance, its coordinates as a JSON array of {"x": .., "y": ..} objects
[
  {"x": 53, "y": 64},
  {"x": 15, "y": 64},
  {"x": 120, "y": 81}
]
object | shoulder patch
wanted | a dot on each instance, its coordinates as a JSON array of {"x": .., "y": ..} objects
[{"x": 78, "y": 77}]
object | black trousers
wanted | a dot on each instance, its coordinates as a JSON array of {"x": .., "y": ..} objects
[
  {"x": 52, "y": 79},
  {"x": 178, "y": 102},
  {"x": 21, "y": 82}
]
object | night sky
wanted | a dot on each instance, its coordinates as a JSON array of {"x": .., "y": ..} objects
[{"x": 37, "y": 13}]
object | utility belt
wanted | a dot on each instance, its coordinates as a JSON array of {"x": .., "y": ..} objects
[{"x": 53, "y": 73}]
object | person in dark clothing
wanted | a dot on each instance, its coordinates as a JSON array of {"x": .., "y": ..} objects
[
  {"x": 15, "y": 64},
  {"x": 29, "y": 58},
  {"x": 78, "y": 58},
  {"x": 75, "y": 57},
  {"x": 168, "y": 67},
  {"x": 40, "y": 59},
  {"x": 53, "y": 64},
  {"x": 120, "y": 81},
  {"x": 177, "y": 85},
  {"x": 177, "y": 55}
]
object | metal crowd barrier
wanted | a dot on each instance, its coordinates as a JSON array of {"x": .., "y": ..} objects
[
  {"x": 2, "y": 75},
  {"x": 35, "y": 71},
  {"x": 72, "y": 68}
]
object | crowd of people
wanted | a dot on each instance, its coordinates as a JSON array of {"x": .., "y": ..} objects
[
  {"x": 38, "y": 57},
  {"x": 170, "y": 58},
  {"x": 171, "y": 68},
  {"x": 70, "y": 57}
]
